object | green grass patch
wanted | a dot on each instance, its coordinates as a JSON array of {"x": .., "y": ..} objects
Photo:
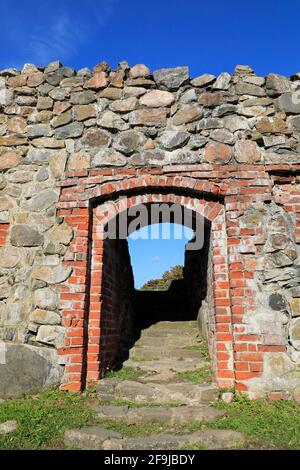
[
  {"x": 42, "y": 419},
  {"x": 192, "y": 447},
  {"x": 197, "y": 376},
  {"x": 265, "y": 424},
  {"x": 90, "y": 392},
  {"x": 127, "y": 373}
]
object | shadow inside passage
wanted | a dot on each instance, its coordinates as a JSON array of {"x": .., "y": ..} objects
[
  {"x": 151, "y": 307},
  {"x": 138, "y": 310}
]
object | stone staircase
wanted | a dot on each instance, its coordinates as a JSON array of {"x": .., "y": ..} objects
[
  {"x": 167, "y": 345},
  {"x": 163, "y": 349},
  {"x": 157, "y": 392}
]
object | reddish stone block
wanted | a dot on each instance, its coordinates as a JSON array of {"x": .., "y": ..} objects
[{"x": 217, "y": 153}]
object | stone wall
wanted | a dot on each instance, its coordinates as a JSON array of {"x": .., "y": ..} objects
[
  {"x": 117, "y": 312},
  {"x": 70, "y": 140}
]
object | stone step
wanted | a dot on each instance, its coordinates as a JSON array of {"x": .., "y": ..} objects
[
  {"x": 181, "y": 393},
  {"x": 164, "y": 365},
  {"x": 90, "y": 438},
  {"x": 167, "y": 341},
  {"x": 166, "y": 330},
  {"x": 210, "y": 439},
  {"x": 106, "y": 388},
  {"x": 172, "y": 415},
  {"x": 170, "y": 334},
  {"x": 147, "y": 353},
  {"x": 175, "y": 325},
  {"x": 160, "y": 377},
  {"x": 94, "y": 438}
]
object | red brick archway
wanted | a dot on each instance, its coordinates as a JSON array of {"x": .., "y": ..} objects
[{"x": 81, "y": 294}]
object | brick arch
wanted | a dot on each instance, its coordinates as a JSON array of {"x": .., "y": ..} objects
[
  {"x": 106, "y": 211},
  {"x": 82, "y": 317},
  {"x": 158, "y": 181},
  {"x": 94, "y": 188}
]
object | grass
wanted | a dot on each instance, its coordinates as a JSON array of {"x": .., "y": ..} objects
[
  {"x": 127, "y": 373},
  {"x": 269, "y": 425},
  {"x": 266, "y": 424},
  {"x": 42, "y": 419},
  {"x": 192, "y": 447},
  {"x": 197, "y": 376}
]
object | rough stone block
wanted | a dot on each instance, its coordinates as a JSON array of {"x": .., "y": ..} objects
[{"x": 27, "y": 369}]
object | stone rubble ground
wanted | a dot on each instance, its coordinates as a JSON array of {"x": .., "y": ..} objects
[{"x": 174, "y": 401}]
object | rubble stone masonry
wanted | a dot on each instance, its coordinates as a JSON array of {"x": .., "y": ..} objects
[{"x": 226, "y": 147}]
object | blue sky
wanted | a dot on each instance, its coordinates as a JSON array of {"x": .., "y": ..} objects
[
  {"x": 209, "y": 37},
  {"x": 155, "y": 248}
]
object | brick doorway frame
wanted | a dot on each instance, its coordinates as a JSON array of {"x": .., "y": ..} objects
[{"x": 80, "y": 295}]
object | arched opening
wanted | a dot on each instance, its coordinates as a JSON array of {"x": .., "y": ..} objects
[
  {"x": 124, "y": 311},
  {"x": 166, "y": 303}
]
